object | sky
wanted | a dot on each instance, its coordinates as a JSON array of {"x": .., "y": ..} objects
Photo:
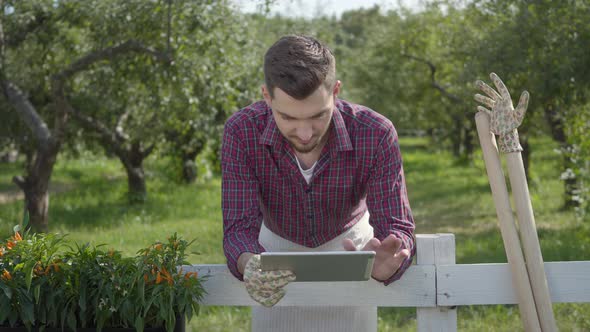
[{"x": 310, "y": 8}]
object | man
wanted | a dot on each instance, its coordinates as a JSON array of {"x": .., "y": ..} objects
[{"x": 304, "y": 170}]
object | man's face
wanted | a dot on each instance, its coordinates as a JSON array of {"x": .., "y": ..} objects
[{"x": 304, "y": 123}]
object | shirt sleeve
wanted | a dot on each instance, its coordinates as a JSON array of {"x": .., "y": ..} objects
[
  {"x": 242, "y": 217},
  {"x": 387, "y": 199}
]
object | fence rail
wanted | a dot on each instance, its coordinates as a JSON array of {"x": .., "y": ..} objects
[{"x": 435, "y": 285}]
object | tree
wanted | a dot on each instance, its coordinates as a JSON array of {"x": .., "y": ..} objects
[{"x": 48, "y": 35}]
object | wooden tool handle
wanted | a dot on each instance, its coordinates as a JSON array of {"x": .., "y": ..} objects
[
  {"x": 520, "y": 278},
  {"x": 530, "y": 241}
]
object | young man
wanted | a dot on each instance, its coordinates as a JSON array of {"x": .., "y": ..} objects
[{"x": 304, "y": 170}]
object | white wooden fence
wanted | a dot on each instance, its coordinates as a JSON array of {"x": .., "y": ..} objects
[{"x": 435, "y": 285}]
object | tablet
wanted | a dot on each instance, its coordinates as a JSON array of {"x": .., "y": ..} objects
[{"x": 321, "y": 265}]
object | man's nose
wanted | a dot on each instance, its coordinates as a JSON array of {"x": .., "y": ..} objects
[{"x": 304, "y": 133}]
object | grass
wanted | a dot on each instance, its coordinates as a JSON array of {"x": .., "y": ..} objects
[{"x": 445, "y": 197}]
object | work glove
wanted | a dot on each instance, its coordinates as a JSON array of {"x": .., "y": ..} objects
[
  {"x": 265, "y": 287},
  {"x": 504, "y": 119}
]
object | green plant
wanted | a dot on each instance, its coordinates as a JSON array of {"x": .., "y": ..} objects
[{"x": 48, "y": 282}]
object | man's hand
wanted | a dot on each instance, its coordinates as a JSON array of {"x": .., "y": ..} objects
[
  {"x": 388, "y": 256},
  {"x": 265, "y": 287}
]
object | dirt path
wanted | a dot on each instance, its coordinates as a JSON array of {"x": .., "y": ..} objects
[{"x": 9, "y": 196}]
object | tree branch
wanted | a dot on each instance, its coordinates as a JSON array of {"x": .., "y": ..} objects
[
  {"x": 26, "y": 111},
  {"x": 454, "y": 98},
  {"x": 147, "y": 151},
  {"x": 20, "y": 182},
  {"x": 58, "y": 80},
  {"x": 89, "y": 122},
  {"x": 104, "y": 54},
  {"x": 119, "y": 128},
  {"x": 37, "y": 24}
]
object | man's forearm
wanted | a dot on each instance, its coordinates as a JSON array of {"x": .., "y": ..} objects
[{"x": 243, "y": 260}]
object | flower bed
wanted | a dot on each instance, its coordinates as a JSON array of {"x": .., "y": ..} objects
[{"x": 49, "y": 282}]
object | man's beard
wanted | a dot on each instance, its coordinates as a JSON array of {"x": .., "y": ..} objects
[
  {"x": 305, "y": 148},
  {"x": 308, "y": 147}
]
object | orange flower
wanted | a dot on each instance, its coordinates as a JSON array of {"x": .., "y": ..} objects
[
  {"x": 17, "y": 237},
  {"x": 39, "y": 270},
  {"x": 159, "y": 278},
  {"x": 188, "y": 275},
  {"x": 2, "y": 250},
  {"x": 6, "y": 275},
  {"x": 10, "y": 244},
  {"x": 158, "y": 246},
  {"x": 167, "y": 276}
]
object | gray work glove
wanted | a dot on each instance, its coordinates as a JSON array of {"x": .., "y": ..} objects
[
  {"x": 504, "y": 118},
  {"x": 265, "y": 287}
]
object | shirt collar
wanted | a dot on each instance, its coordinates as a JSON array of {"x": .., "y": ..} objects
[
  {"x": 340, "y": 133},
  {"x": 271, "y": 134},
  {"x": 340, "y": 139}
]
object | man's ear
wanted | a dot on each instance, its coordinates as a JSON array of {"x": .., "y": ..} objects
[
  {"x": 266, "y": 95},
  {"x": 337, "y": 86}
]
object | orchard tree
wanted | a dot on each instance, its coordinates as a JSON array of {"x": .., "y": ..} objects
[{"x": 40, "y": 54}]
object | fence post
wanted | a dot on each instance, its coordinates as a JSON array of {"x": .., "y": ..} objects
[{"x": 436, "y": 249}]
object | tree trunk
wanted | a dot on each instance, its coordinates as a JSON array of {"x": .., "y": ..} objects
[
  {"x": 555, "y": 120},
  {"x": 136, "y": 192},
  {"x": 35, "y": 185},
  {"x": 526, "y": 155},
  {"x": 455, "y": 136},
  {"x": 37, "y": 206},
  {"x": 189, "y": 169},
  {"x": 133, "y": 159},
  {"x": 468, "y": 145}
]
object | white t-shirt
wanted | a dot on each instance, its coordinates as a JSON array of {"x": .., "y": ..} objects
[{"x": 307, "y": 173}]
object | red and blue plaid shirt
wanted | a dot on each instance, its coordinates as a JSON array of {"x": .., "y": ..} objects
[{"x": 359, "y": 168}]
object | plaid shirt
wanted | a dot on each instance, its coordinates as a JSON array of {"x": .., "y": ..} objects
[{"x": 360, "y": 168}]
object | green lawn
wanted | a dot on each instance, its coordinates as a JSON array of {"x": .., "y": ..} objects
[{"x": 445, "y": 197}]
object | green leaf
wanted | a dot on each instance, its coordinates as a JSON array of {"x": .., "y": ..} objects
[
  {"x": 7, "y": 290},
  {"x": 26, "y": 219},
  {"x": 72, "y": 320},
  {"x": 29, "y": 273},
  {"x": 13, "y": 317},
  {"x": 4, "y": 309},
  {"x": 37, "y": 292},
  {"x": 27, "y": 311},
  {"x": 82, "y": 299},
  {"x": 139, "y": 324},
  {"x": 170, "y": 322}
]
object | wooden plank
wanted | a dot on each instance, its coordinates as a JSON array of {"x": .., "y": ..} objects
[
  {"x": 416, "y": 288},
  {"x": 470, "y": 284},
  {"x": 441, "y": 250},
  {"x": 425, "y": 249}
]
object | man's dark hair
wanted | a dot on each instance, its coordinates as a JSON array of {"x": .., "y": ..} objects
[{"x": 297, "y": 65}]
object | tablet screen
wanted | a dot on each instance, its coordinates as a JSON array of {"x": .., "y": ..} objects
[{"x": 322, "y": 265}]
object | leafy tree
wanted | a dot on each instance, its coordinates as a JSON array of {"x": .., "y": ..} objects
[{"x": 39, "y": 55}]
